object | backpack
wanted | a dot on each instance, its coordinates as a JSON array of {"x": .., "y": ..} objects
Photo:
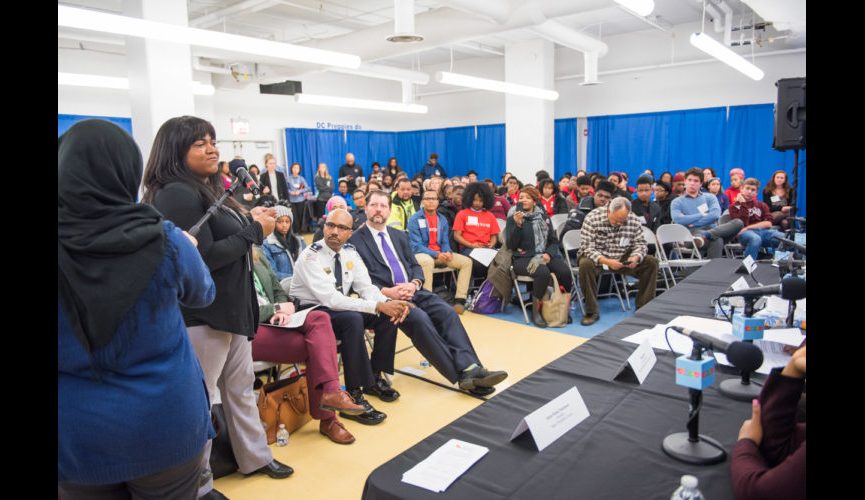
[{"x": 485, "y": 302}]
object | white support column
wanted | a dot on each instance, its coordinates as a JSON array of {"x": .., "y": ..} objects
[
  {"x": 582, "y": 143},
  {"x": 529, "y": 122},
  {"x": 160, "y": 73}
]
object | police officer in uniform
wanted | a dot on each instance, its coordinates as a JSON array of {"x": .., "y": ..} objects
[{"x": 325, "y": 273}]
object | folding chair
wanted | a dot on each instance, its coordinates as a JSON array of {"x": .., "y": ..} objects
[
  {"x": 517, "y": 280},
  {"x": 571, "y": 241},
  {"x": 731, "y": 250},
  {"x": 502, "y": 224},
  {"x": 558, "y": 220},
  {"x": 663, "y": 266},
  {"x": 681, "y": 239}
]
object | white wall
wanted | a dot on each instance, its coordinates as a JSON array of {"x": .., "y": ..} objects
[{"x": 681, "y": 87}]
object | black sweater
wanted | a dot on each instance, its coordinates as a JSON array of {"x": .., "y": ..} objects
[{"x": 224, "y": 243}]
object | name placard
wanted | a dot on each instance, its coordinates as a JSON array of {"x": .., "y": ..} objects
[
  {"x": 551, "y": 421},
  {"x": 642, "y": 360}
]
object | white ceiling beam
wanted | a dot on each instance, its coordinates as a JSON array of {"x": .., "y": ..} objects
[{"x": 238, "y": 8}]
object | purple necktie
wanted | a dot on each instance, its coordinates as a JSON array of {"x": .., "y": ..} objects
[{"x": 392, "y": 261}]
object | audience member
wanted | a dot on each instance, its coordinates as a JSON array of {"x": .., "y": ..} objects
[
  {"x": 449, "y": 208},
  {"x": 679, "y": 184},
  {"x": 551, "y": 201},
  {"x": 513, "y": 193},
  {"x": 647, "y": 211},
  {"x": 225, "y": 173},
  {"x": 756, "y": 219},
  {"x": 282, "y": 247},
  {"x": 123, "y": 273},
  {"x": 612, "y": 237},
  {"x": 501, "y": 205},
  {"x": 433, "y": 167},
  {"x": 713, "y": 186},
  {"x": 350, "y": 172},
  {"x": 324, "y": 186},
  {"x": 297, "y": 189},
  {"x": 405, "y": 204},
  {"x": 273, "y": 182},
  {"x": 392, "y": 167},
  {"x": 313, "y": 343},
  {"x": 344, "y": 193},
  {"x": 737, "y": 175},
  {"x": 475, "y": 226},
  {"x": 666, "y": 177},
  {"x": 429, "y": 236},
  {"x": 181, "y": 181},
  {"x": 777, "y": 196},
  {"x": 530, "y": 236},
  {"x": 603, "y": 194},
  {"x": 699, "y": 212},
  {"x": 663, "y": 199}
]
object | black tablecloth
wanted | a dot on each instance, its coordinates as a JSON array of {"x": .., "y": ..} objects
[{"x": 616, "y": 452}]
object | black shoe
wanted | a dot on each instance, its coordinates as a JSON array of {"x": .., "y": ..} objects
[
  {"x": 481, "y": 377},
  {"x": 482, "y": 391},
  {"x": 370, "y": 417},
  {"x": 213, "y": 495},
  {"x": 536, "y": 314},
  {"x": 590, "y": 319},
  {"x": 276, "y": 470},
  {"x": 381, "y": 390}
]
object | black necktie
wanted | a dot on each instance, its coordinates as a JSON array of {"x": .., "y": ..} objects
[{"x": 337, "y": 272}]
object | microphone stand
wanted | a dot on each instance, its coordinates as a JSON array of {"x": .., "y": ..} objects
[
  {"x": 743, "y": 389},
  {"x": 692, "y": 447},
  {"x": 213, "y": 208}
]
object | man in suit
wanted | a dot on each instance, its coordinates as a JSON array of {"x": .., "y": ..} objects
[{"x": 433, "y": 326}]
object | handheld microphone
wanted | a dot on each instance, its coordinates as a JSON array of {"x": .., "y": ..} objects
[
  {"x": 791, "y": 243},
  {"x": 238, "y": 169},
  {"x": 790, "y": 288},
  {"x": 743, "y": 355}
]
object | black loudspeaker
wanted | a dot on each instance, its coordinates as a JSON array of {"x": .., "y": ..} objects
[
  {"x": 790, "y": 114},
  {"x": 288, "y": 87}
]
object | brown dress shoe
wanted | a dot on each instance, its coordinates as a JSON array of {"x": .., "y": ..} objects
[
  {"x": 337, "y": 432},
  {"x": 340, "y": 401}
]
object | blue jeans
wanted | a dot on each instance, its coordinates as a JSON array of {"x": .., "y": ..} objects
[{"x": 753, "y": 239}]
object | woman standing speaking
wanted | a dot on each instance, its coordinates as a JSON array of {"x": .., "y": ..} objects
[{"x": 181, "y": 180}]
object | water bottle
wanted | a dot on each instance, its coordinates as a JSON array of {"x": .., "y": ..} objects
[
  {"x": 688, "y": 490},
  {"x": 282, "y": 435}
]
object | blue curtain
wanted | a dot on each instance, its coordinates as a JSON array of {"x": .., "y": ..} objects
[
  {"x": 749, "y": 139},
  {"x": 309, "y": 147},
  {"x": 673, "y": 140},
  {"x": 369, "y": 147},
  {"x": 460, "y": 150},
  {"x": 565, "y": 147},
  {"x": 411, "y": 151},
  {"x": 489, "y": 159},
  {"x": 66, "y": 121}
]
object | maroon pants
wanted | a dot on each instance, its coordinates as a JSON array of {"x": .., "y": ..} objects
[{"x": 314, "y": 344}]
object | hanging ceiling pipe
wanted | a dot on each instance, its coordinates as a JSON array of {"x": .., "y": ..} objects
[
  {"x": 403, "y": 23},
  {"x": 198, "y": 66},
  {"x": 728, "y": 19}
]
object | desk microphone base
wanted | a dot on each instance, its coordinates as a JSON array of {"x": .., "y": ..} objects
[
  {"x": 706, "y": 451},
  {"x": 735, "y": 389}
]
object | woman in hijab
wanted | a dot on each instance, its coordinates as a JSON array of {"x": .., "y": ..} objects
[
  {"x": 133, "y": 414},
  {"x": 529, "y": 234},
  {"x": 181, "y": 181}
]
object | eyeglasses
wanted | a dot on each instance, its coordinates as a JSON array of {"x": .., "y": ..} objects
[
  {"x": 430, "y": 199},
  {"x": 331, "y": 225}
]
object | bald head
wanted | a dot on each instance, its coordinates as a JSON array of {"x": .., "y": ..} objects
[
  {"x": 349, "y": 158},
  {"x": 337, "y": 229}
]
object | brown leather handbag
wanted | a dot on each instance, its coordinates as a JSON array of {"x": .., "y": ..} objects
[{"x": 284, "y": 402}]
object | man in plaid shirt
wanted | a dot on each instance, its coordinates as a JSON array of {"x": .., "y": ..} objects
[{"x": 612, "y": 237}]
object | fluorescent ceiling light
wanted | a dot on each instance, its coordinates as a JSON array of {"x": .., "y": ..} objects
[
  {"x": 121, "y": 25},
  {"x": 346, "y": 102},
  {"x": 639, "y": 7},
  {"x": 386, "y": 73},
  {"x": 113, "y": 82},
  {"x": 494, "y": 85},
  {"x": 715, "y": 49}
]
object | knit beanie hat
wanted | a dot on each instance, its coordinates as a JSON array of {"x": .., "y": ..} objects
[
  {"x": 679, "y": 177},
  {"x": 283, "y": 211}
]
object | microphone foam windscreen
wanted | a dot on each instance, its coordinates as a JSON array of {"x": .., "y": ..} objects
[
  {"x": 236, "y": 163},
  {"x": 744, "y": 356},
  {"x": 793, "y": 288}
]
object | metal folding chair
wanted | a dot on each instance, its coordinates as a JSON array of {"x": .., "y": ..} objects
[
  {"x": 572, "y": 241},
  {"x": 682, "y": 241}
]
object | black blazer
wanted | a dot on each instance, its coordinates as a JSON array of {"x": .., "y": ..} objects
[
  {"x": 224, "y": 243},
  {"x": 281, "y": 185},
  {"x": 379, "y": 271}
]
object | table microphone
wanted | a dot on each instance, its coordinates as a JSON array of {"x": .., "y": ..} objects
[
  {"x": 742, "y": 355},
  {"x": 790, "y": 288},
  {"x": 244, "y": 177}
]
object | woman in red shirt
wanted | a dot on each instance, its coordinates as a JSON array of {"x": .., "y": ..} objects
[
  {"x": 476, "y": 226},
  {"x": 551, "y": 200}
]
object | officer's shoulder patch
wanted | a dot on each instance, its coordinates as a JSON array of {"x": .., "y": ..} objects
[
  {"x": 315, "y": 247},
  {"x": 348, "y": 246}
]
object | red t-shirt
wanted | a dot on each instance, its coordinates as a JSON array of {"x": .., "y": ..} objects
[
  {"x": 732, "y": 194},
  {"x": 477, "y": 227},
  {"x": 432, "y": 225}
]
